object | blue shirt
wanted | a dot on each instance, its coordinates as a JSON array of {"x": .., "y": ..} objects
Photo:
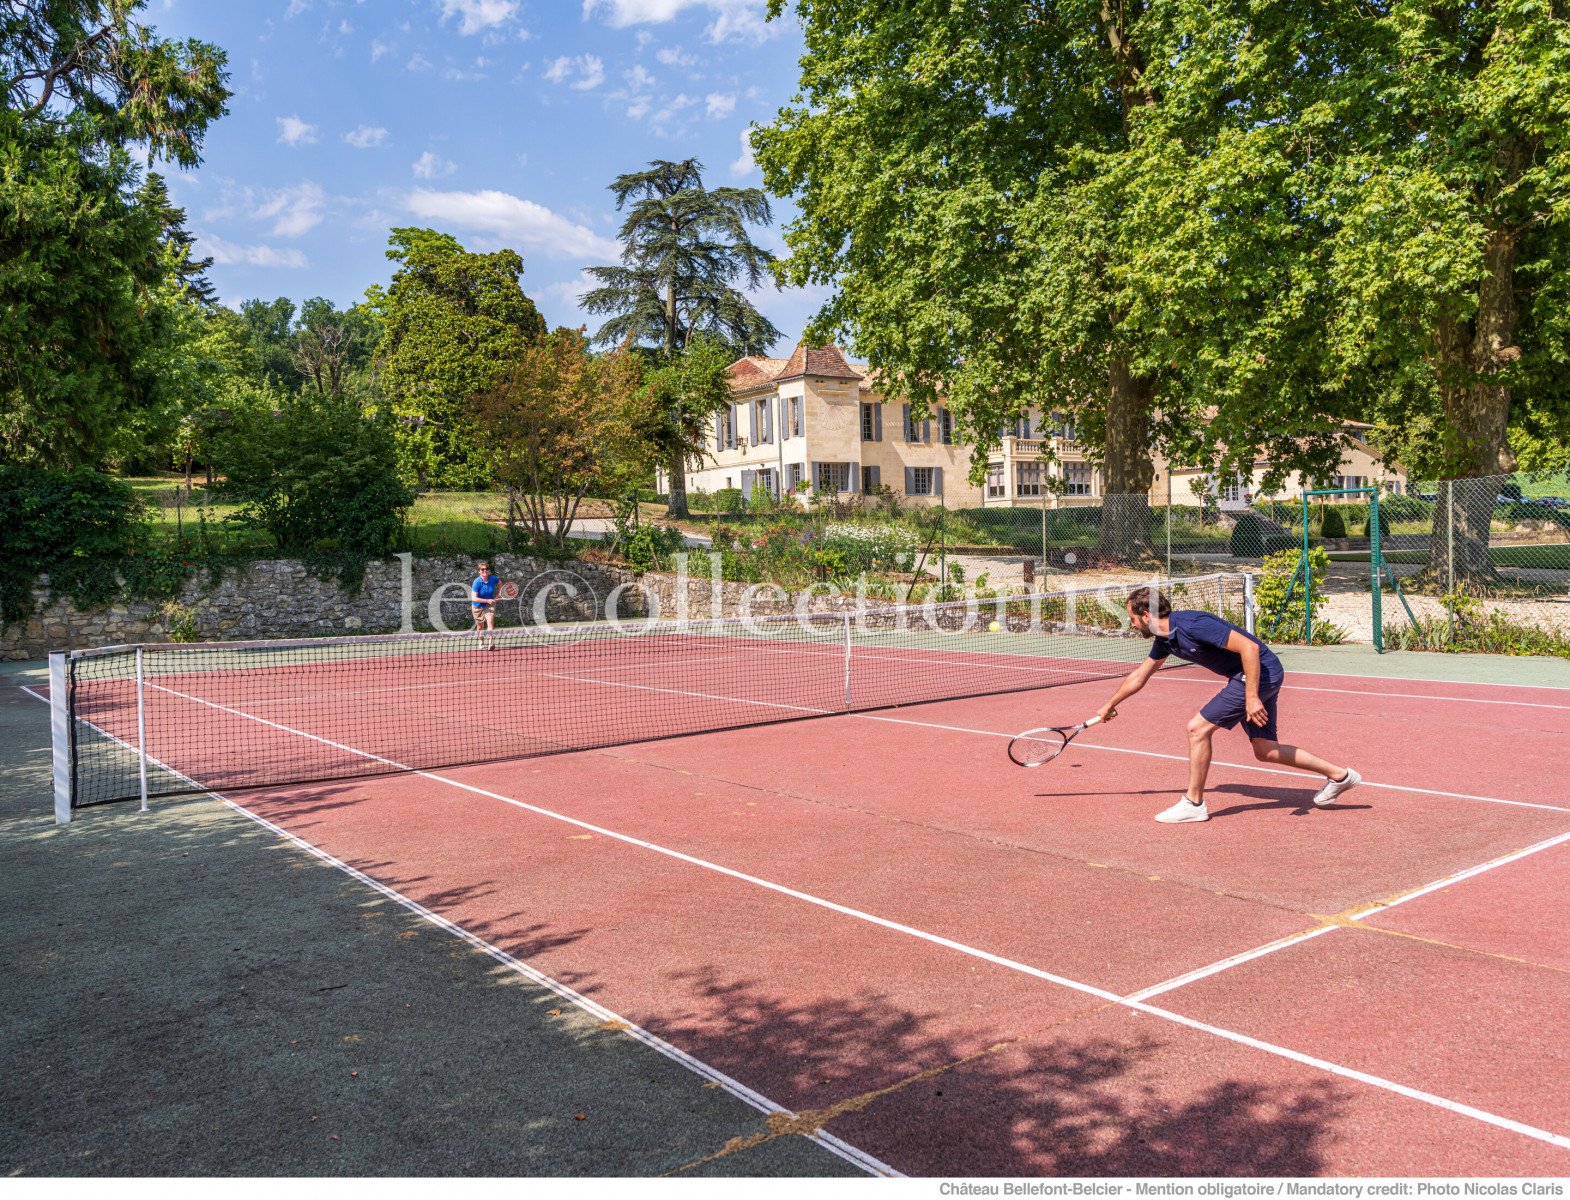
[
  {"x": 1201, "y": 638},
  {"x": 484, "y": 589}
]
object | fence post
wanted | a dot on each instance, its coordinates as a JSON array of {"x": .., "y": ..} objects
[
  {"x": 1248, "y": 602},
  {"x": 141, "y": 728},
  {"x": 1450, "y": 560},
  {"x": 1169, "y": 520},
  {"x": 1376, "y": 560},
  {"x": 1308, "y": 579},
  {"x": 1043, "y": 528}
]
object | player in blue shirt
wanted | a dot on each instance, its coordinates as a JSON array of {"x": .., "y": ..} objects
[
  {"x": 482, "y": 598},
  {"x": 1253, "y": 674}
]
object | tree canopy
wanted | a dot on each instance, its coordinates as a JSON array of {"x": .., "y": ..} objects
[{"x": 452, "y": 323}]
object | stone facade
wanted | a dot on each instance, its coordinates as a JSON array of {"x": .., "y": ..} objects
[{"x": 279, "y": 598}]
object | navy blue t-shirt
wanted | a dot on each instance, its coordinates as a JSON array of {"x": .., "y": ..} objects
[{"x": 1201, "y": 638}]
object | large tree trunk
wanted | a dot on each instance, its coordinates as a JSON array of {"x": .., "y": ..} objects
[
  {"x": 677, "y": 470},
  {"x": 1477, "y": 417},
  {"x": 1125, "y": 506}
]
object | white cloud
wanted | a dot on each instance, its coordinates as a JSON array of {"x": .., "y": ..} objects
[
  {"x": 293, "y": 210},
  {"x": 296, "y": 7},
  {"x": 345, "y": 27},
  {"x": 674, "y": 56},
  {"x": 740, "y": 20},
  {"x": 380, "y": 49},
  {"x": 479, "y": 15},
  {"x": 745, "y": 164},
  {"x": 418, "y": 63},
  {"x": 227, "y": 253},
  {"x": 294, "y": 132},
  {"x": 721, "y": 105},
  {"x": 521, "y": 222},
  {"x": 571, "y": 291},
  {"x": 638, "y": 79},
  {"x": 433, "y": 166},
  {"x": 366, "y": 136},
  {"x": 590, "y": 70}
]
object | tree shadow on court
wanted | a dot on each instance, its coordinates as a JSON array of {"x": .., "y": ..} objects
[{"x": 1068, "y": 1099}]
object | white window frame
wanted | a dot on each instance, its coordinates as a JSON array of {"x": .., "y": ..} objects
[
  {"x": 997, "y": 481},
  {"x": 1029, "y": 478},
  {"x": 1077, "y": 479}
]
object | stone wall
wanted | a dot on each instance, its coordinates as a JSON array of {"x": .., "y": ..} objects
[
  {"x": 701, "y": 593},
  {"x": 279, "y": 598}
]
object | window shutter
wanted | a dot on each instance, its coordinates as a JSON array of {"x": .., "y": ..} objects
[
  {"x": 910, "y": 481},
  {"x": 877, "y": 422},
  {"x": 730, "y": 430},
  {"x": 752, "y": 426},
  {"x": 1025, "y": 420},
  {"x": 907, "y": 423},
  {"x": 937, "y": 481},
  {"x": 874, "y": 477},
  {"x": 855, "y": 478},
  {"x": 746, "y": 486},
  {"x": 719, "y": 431},
  {"x": 813, "y": 475},
  {"x": 926, "y": 429}
]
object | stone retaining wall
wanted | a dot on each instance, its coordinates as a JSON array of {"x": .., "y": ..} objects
[{"x": 279, "y": 598}]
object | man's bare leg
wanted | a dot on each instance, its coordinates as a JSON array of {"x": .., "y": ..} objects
[
  {"x": 1200, "y": 731},
  {"x": 1295, "y": 756}
]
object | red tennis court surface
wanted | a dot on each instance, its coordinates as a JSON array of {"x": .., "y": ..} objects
[{"x": 878, "y": 923}]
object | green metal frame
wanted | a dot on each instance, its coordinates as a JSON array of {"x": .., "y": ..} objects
[{"x": 1376, "y": 565}]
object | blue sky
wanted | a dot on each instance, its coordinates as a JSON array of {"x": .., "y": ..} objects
[{"x": 498, "y": 121}]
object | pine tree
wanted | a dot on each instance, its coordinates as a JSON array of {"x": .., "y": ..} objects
[
  {"x": 685, "y": 247},
  {"x": 154, "y": 195}
]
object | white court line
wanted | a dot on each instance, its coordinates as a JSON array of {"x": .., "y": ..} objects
[
  {"x": 1297, "y": 687},
  {"x": 741, "y": 1091},
  {"x": 1394, "y": 787},
  {"x": 1010, "y": 964},
  {"x": 1546, "y": 844},
  {"x": 1307, "y": 934}
]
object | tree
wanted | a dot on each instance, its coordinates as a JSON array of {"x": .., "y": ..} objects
[
  {"x": 684, "y": 247},
  {"x": 950, "y": 163},
  {"x": 683, "y": 394},
  {"x": 330, "y": 345},
  {"x": 177, "y": 241},
  {"x": 271, "y": 326},
  {"x": 452, "y": 323},
  {"x": 310, "y": 468},
  {"x": 83, "y": 83},
  {"x": 1410, "y": 167},
  {"x": 561, "y": 423}
]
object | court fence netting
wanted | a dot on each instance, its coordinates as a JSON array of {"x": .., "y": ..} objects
[{"x": 133, "y": 722}]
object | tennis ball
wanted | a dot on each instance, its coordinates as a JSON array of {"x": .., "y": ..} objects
[{"x": 994, "y": 627}]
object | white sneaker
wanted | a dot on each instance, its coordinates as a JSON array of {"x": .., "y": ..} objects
[
  {"x": 1333, "y": 788},
  {"x": 1184, "y": 810}
]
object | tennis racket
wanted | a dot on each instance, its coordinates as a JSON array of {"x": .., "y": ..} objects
[
  {"x": 507, "y": 591},
  {"x": 1035, "y": 747}
]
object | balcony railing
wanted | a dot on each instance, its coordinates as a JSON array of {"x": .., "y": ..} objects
[{"x": 1015, "y": 447}]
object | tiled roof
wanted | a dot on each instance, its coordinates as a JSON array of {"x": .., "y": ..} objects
[{"x": 826, "y": 362}]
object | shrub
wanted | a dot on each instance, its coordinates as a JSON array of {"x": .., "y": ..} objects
[
  {"x": 1248, "y": 537},
  {"x": 1384, "y": 525},
  {"x": 1334, "y": 524},
  {"x": 1281, "y": 616},
  {"x": 1472, "y": 630},
  {"x": 311, "y": 470},
  {"x": 72, "y": 525},
  {"x": 181, "y": 622},
  {"x": 1278, "y": 543}
]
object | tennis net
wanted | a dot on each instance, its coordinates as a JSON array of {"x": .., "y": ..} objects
[{"x": 137, "y": 721}]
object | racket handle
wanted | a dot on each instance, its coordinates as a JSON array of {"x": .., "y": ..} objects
[{"x": 1096, "y": 720}]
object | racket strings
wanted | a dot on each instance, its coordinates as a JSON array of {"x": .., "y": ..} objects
[{"x": 1038, "y": 747}]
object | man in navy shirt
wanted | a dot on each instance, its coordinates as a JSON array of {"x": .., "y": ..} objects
[
  {"x": 1253, "y": 674},
  {"x": 482, "y": 597}
]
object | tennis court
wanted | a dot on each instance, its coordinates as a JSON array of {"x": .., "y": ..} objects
[{"x": 873, "y": 925}]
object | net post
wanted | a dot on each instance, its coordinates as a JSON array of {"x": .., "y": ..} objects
[
  {"x": 845, "y": 617},
  {"x": 141, "y": 728},
  {"x": 60, "y": 732},
  {"x": 1248, "y": 602}
]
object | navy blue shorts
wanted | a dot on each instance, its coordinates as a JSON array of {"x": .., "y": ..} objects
[{"x": 1228, "y": 706}]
